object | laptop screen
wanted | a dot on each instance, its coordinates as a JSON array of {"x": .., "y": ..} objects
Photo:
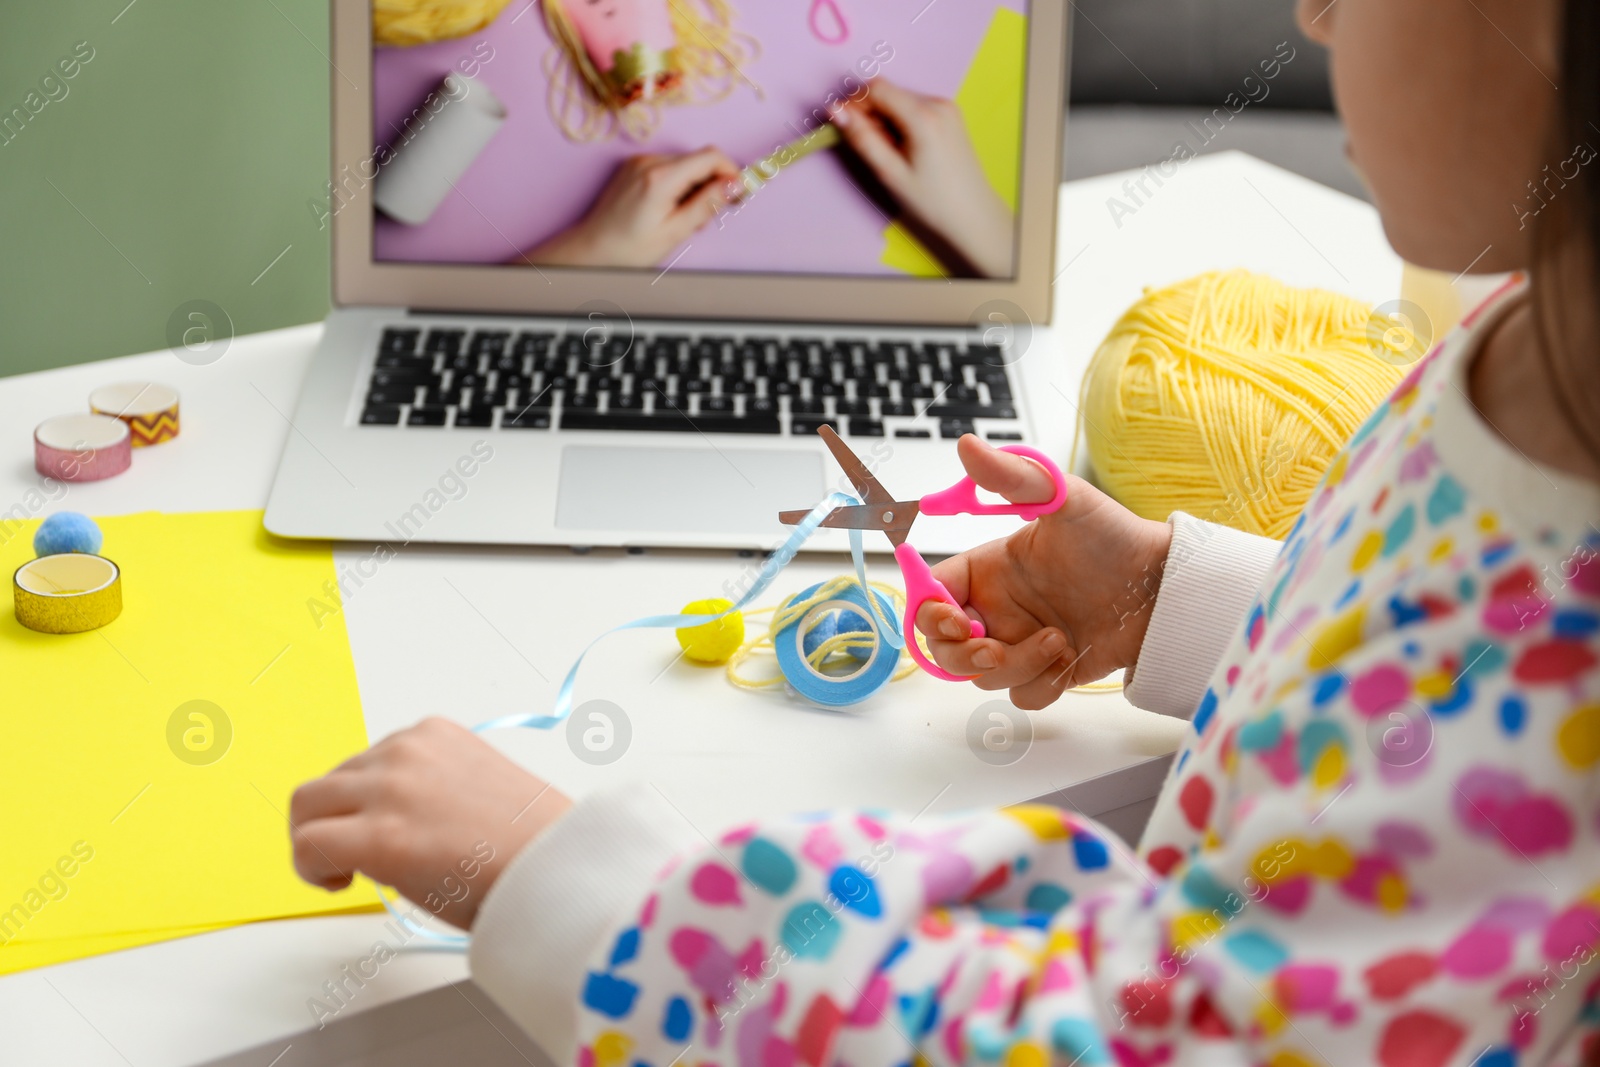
[{"x": 823, "y": 137}]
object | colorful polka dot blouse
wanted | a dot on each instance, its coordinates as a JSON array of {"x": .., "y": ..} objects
[{"x": 1380, "y": 844}]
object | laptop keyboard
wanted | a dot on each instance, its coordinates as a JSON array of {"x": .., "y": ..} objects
[{"x": 542, "y": 380}]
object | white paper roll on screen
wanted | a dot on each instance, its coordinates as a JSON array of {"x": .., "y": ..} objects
[{"x": 444, "y": 135}]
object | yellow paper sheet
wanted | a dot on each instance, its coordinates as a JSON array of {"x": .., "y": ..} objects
[
  {"x": 990, "y": 100},
  {"x": 130, "y": 821},
  {"x": 23, "y": 955}
]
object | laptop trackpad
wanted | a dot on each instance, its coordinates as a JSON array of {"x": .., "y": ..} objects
[{"x": 689, "y": 490}]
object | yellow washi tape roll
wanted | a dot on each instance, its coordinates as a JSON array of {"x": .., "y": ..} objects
[
  {"x": 150, "y": 410},
  {"x": 67, "y": 593}
]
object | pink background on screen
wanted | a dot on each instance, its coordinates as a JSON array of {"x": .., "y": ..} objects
[{"x": 531, "y": 182}]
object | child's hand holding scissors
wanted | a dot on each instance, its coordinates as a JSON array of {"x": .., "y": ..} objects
[{"x": 1065, "y": 600}]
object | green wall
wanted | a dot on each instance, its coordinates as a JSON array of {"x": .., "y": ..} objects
[{"x": 191, "y": 141}]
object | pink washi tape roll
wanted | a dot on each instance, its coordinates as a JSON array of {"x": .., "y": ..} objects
[{"x": 82, "y": 448}]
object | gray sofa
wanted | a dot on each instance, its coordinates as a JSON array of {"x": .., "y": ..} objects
[{"x": 1142, "y": 70}]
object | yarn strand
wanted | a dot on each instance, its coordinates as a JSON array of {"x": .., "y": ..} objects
[{"x": 794, "y": 608}]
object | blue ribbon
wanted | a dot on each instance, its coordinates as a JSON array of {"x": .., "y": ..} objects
[
  {"x": 781, "y": 558},
  {"x": 458, "y": 942},
  {"x": 770, "y": 569}
]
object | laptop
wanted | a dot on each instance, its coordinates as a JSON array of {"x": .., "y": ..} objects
[{"x": 602, "y": 267}]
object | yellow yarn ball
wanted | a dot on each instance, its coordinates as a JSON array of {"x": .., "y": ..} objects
[
  {"x": 1228, "y": 395},
  {"x": 712, "y": 642},
  {"x": 407, "y": 22}
]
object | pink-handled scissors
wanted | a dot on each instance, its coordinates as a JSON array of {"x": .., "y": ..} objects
[{"x": 881, "y": 511}]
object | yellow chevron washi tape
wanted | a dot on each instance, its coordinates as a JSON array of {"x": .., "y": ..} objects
[
  {"x": 150, "y": 410},
  {"x": 67, "y": 593}
]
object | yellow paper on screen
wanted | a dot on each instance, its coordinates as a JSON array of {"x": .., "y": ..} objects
[
  {"x": 149, "y": 763},
  {"x": 991, "y": 103}
]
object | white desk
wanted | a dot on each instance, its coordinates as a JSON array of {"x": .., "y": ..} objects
[{"x": 476, "y": 633}]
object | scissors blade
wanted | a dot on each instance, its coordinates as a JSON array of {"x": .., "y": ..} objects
[
  {"x": 860, "y": 477},
  {"x": 892, "y": 518}
]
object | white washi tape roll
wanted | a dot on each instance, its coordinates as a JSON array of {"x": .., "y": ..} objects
[
  {"x": 82, "y": 448},
  {"x": 445, "y": 134}
]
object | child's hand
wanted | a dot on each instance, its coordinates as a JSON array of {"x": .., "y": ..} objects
[
  {"x": 433, "y": 810},
  {"x": 917, "y": 146},
  {"x": 650, "y": 205},
  {"x": 1065, "y": 600}
]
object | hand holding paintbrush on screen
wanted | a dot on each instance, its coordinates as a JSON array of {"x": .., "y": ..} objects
[
  {"x": 649, "y": 206},
  {"x": 653, "y": 203},
  {"x": 763, "y": 170}
]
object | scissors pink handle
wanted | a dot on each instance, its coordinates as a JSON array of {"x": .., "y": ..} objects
[
  {"x": 962, "y": 499},
  {"x": 921, "y": 587}
]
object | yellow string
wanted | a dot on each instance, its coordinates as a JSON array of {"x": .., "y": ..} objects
[
  {"x": 793, "y": 609},
  {"x": 402, "y": 23},
  {"x": 710, "y": 56},
  {"x": 1228, "y": 395}
]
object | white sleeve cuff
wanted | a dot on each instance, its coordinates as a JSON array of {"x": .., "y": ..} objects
[
  {"x": 1212, "y": 575},
  {"x": 541, "y": 924}
]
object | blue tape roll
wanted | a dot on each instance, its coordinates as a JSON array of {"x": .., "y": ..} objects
[
  {"x": 779, "y": 559},
  {"x": 837, "y": 692}
]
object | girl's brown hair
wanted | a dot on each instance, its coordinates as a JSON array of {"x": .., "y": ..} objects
[{"x": 1567, "y": 238}]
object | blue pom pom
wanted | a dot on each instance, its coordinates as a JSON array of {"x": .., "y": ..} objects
[
  {"x": 67, "y": 531},
  {"x": 851, "y": 623},
  {"x": 844, "y": 621},
  {"x": 826, "y": 627}
]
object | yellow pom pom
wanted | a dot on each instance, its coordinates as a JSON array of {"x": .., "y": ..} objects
[{"x": 712, "y": 642}]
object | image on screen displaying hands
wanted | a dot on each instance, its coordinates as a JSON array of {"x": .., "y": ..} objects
[{"x": 908, "y": 151}]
